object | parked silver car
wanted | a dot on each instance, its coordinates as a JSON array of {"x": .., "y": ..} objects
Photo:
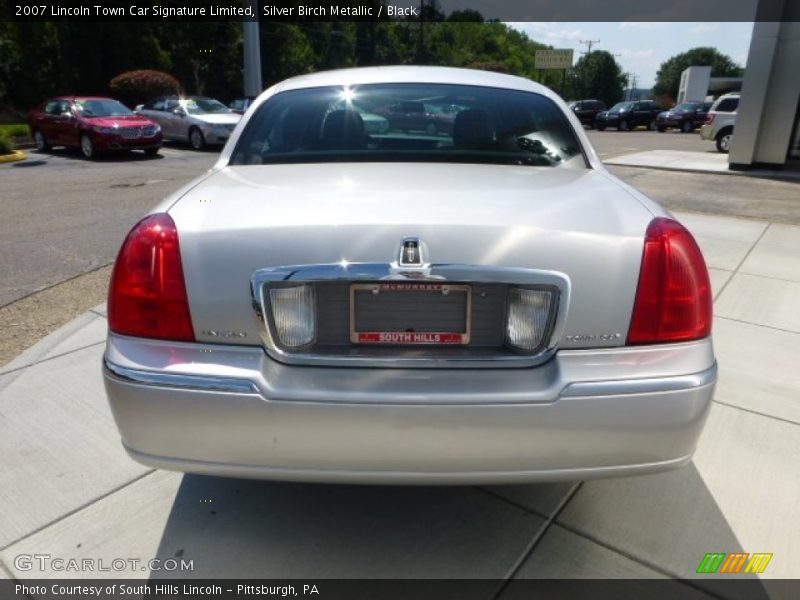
[
  {"x": 198, "y": 120},
  {"x": 489, "y": 305}
]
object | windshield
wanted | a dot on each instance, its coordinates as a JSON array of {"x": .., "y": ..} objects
[
  {"x": 102, "y": 108},
  {"x": 202, "y": 106},
  {"x": 360, "y": 124},
  {"x": 620, "y": 105},
  {"x": 687, "y": 106}
]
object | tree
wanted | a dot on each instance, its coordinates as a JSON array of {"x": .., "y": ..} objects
[
  {"x": 668, "y": 78},
  {"x": 597, "y": 75}
]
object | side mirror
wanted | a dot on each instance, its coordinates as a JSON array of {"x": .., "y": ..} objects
[{"x": 178, "y": 112}]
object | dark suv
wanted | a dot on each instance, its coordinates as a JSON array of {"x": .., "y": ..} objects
[
  {"x": 629, "y": 115},
  {"x": 686, "y": 117},
  {"x": 586, "y": 110}
]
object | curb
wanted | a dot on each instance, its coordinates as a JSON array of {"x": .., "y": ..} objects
[
  {"x": 673, "y": 169},
  {"x": 13, "y": 157},
  {"x": 35, "y": 353},
  {"x": 757, "y": 173}
]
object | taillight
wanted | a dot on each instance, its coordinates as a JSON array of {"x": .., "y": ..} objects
[
  {"x": 709, "y": 119},
  {"x": 673, "y": 300},
  {"x": 147, "y": 295}
]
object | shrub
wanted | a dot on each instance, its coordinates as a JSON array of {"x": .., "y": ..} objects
[
  {"x": 17, "y": 130},
  {"x": 135, "y": 87},
  {"x": 6, "y": 143}
]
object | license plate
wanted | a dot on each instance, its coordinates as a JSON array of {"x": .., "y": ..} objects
[{"x": 410, "y": 314}]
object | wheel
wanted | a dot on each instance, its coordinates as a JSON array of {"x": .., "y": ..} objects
[
  {"x": 41, "y": 141},
  {"x": 196, "y": 139},
  {"x": 661, "y": 129},
  {"x": 624, "y": 125},
  {"x": 687, "y": 127},
  {"x": 87, "y": 147},
  {"x": 651, "y": 126},
  {"x": 431, "y": 129},
  {"x": 151, "y": 151},
  {"x": 724, "y": 141},
  {"x": 600, "y": 127}
]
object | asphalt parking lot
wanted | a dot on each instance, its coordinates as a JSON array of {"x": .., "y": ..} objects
[{"x": 71, "y": 491}]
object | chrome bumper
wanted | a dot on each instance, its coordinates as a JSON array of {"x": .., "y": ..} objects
[{"x": 228, "y": 410}]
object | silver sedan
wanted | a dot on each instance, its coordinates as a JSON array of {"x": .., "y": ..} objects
[
  {"x": 198, "y": 120},
  {"x": 335, "y": 304}
]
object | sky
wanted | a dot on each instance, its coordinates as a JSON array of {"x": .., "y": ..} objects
[{"x": 642, "y": 46}]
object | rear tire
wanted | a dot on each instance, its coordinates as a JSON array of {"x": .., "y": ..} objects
[
  {"x": 687, "y": 127},
  {"x": 151, "y": 151},
  {"x": 661, "y": 129},
  {"x": 600, "y": 127},
  {"x": 723, "y": 141},
  {"x": 41, "y": 141}
]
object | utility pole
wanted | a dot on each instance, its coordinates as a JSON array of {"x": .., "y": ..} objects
[
  {"x": 252, "y": 54},
  {"x": 631, "y": 85},
  {"x": 588, "y": 44}
]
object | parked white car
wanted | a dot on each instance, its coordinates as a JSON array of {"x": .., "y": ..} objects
[
  {"x": 720, "y": 121},
  {"x": 198, "y": 120}
]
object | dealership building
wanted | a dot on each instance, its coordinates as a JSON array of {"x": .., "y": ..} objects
[{"x": 767, "y": 131}]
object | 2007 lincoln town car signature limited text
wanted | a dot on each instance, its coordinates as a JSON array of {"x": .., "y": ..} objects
[{"x": 354, "y": 297}]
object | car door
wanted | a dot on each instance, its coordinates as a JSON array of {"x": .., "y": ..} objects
[
  {"x": 176, "y": 126},
  {"x": 580, "y": 111},
  {"x": 62, "y": 124},
  {"x": 700, "y": 113},
  {"x": 154, "y": 110},
  {"x": 641, "y": 113},
  {"x": 44, "y": 120}
]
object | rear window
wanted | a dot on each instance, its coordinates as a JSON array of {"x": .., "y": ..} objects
[
  {"x": 384, "y": 123},
  {"x": 728, "y": 105}
]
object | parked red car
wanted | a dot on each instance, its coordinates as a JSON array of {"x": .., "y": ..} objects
[{"x": 92, "y": 124}]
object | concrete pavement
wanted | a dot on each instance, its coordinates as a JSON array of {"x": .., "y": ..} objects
[
  {"x": 68, "y": 489},
  {"x": 694, "y": 162}
]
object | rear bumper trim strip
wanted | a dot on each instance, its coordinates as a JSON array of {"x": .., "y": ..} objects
[
  {"x": 180, "y": 380},
  {"x": 641, "y": 386}
]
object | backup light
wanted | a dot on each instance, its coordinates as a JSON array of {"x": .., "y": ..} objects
[
  {"x": 293, "y": 314},
  {"x": 528, "y": 315}
]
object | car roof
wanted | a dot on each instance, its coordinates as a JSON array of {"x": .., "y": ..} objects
[
  {"x": 413, "y": 74},
  {"x": 76, "y": 98}
]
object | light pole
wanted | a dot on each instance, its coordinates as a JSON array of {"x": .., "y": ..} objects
[{"x": 252, "y": 53}]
